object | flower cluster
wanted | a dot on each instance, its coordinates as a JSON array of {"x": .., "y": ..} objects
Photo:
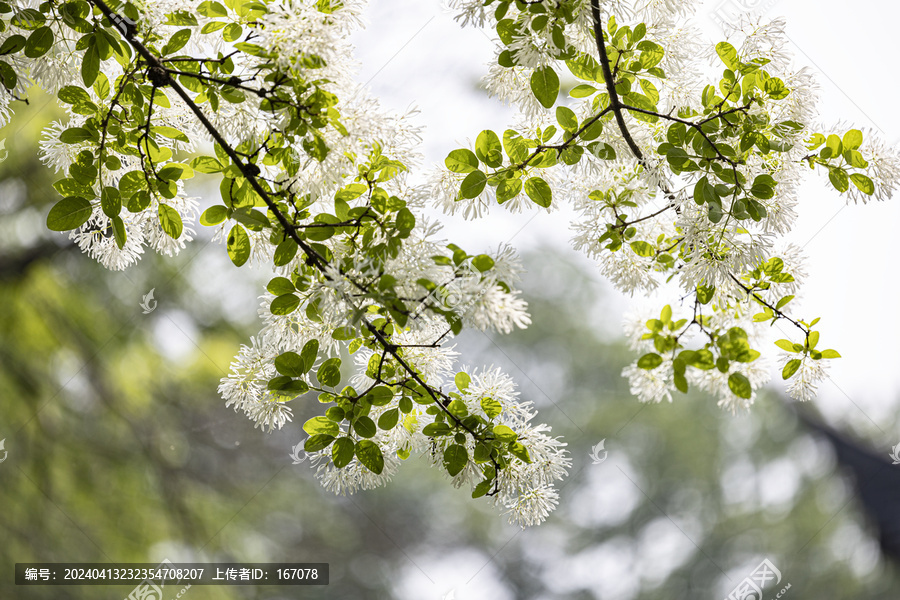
[{"x": 679, "y": 172}]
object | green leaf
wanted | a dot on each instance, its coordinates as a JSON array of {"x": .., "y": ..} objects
[
  {"x": 813, "y": 339},
  {"x": 280, "y": 286},
  {"x": 110, "y": 201},
  {"x": 790, "y": 368},
  {"x": 705, "y": 293},
  {"x": 643, "y": 249},
  {"x": 488, "y": 148},
  {"x": 649, "y": 361},
  {"x": 491, "y": 407},
  {"x": 704, "y": 192},
  {"x": 462, "y": 380},
  {"x": 309, "y": 354},
  {"x": 566, "y": 118},
  {"x": 69, "y": 213},
  {"x": 728, "y": 55},
  {"x": 342, "y": 452},
  {"x": 456, "y": 458},
  {"x": 8, "y": 76},
  {"x": 138, "y": 202},
  {"x": 212, "y": 9},
  {"x": 285, "y": 386},
  {"x": 473, "y": 184},
  {"x": 651, "y": 53},
  {"x": 592, "y": 131},
  {"x": 285, "y": 252},
  {"x": 72, "y": 94},
  {"x": 284, "y": 304},
  {"x": 214, "y": 215},
  {"x": 238, "y": 245},
  {"x": 458, "y": 408},
  {"x": 505, "y": 434},
  {"x": 545, "y": 86},
  {"x": 436, "y": 429},
  {"x": 329, "y": 373},
  {"x": 178, "y": 41},
  {"x": 853, "y": 139},
  {"x": 317, "y": 442},
  {"x": 39, "y": 42},
  {"x": 508, "y": 189},
  {"x": 131, "y": 182},
  {"x": 740, "y": 385},
  {"x": 290, "y": 364},
  {"x": 539, "y": 191},
  {"x": 582, "y": 91},
  {"x": 254, "y": 220},
  {"x": 207, "y": 164},
  {"x": 232, "y": 32},
  {"x": 776, "y": 89},
  {"x": 786, "y": 345},
  {"x": 680, "y": 381},
  {"x": 351, "y": 192},
  {"x": 515, "y": 146},
  {"x": 461, "y": 161},
  {"x": 838, "y": 178},
  {"x": 389, "y": 419},
  {"x": 369, "y": 454},
  {"x": 584, "y": 66},
  {"x": 380, "y": 395},
  {"x": 784, "y": 302},
  {"x": 170, "y": 221},
  {"x": 863, "y": 183},
  {"x": 715, "y": 212},
  {"x": 365, "y": 426},
  {"x": 74, "y": 135},
  {"x": 483, "y": 262},
  {"x": 171, "y": 133},
  {"x": 520, "y": 451},
  {"x": 12, "y": 44},
  {"x": 90, "y": 65},
  {"x": 321, "y": 425},
  {"x": 482, "y": 488},
  {"x": 119, "y": 232},
  {"x": 830, "y": 353}
]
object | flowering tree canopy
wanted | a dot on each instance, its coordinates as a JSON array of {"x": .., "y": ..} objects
[{"x": 682, "y": 158}]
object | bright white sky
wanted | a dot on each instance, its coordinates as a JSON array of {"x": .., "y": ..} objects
[{"x": 414, "y": 54}]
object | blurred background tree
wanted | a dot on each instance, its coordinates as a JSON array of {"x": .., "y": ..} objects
[{"x": 120, "y": 449}]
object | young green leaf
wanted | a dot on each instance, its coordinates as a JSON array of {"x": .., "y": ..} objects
[
  {"x": 545, "y": 86},
  {"x": 342, "y": 452},
  {"x": 170, "y": 221},
  {"x": 456, "y": 457},
  {"x": 69, "y": 213},
  {"x": 369, "y": 454},
  {"x": 539, "y": 191}
]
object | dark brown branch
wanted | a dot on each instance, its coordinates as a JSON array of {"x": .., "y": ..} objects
[{"x": 614, "y": 101}]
